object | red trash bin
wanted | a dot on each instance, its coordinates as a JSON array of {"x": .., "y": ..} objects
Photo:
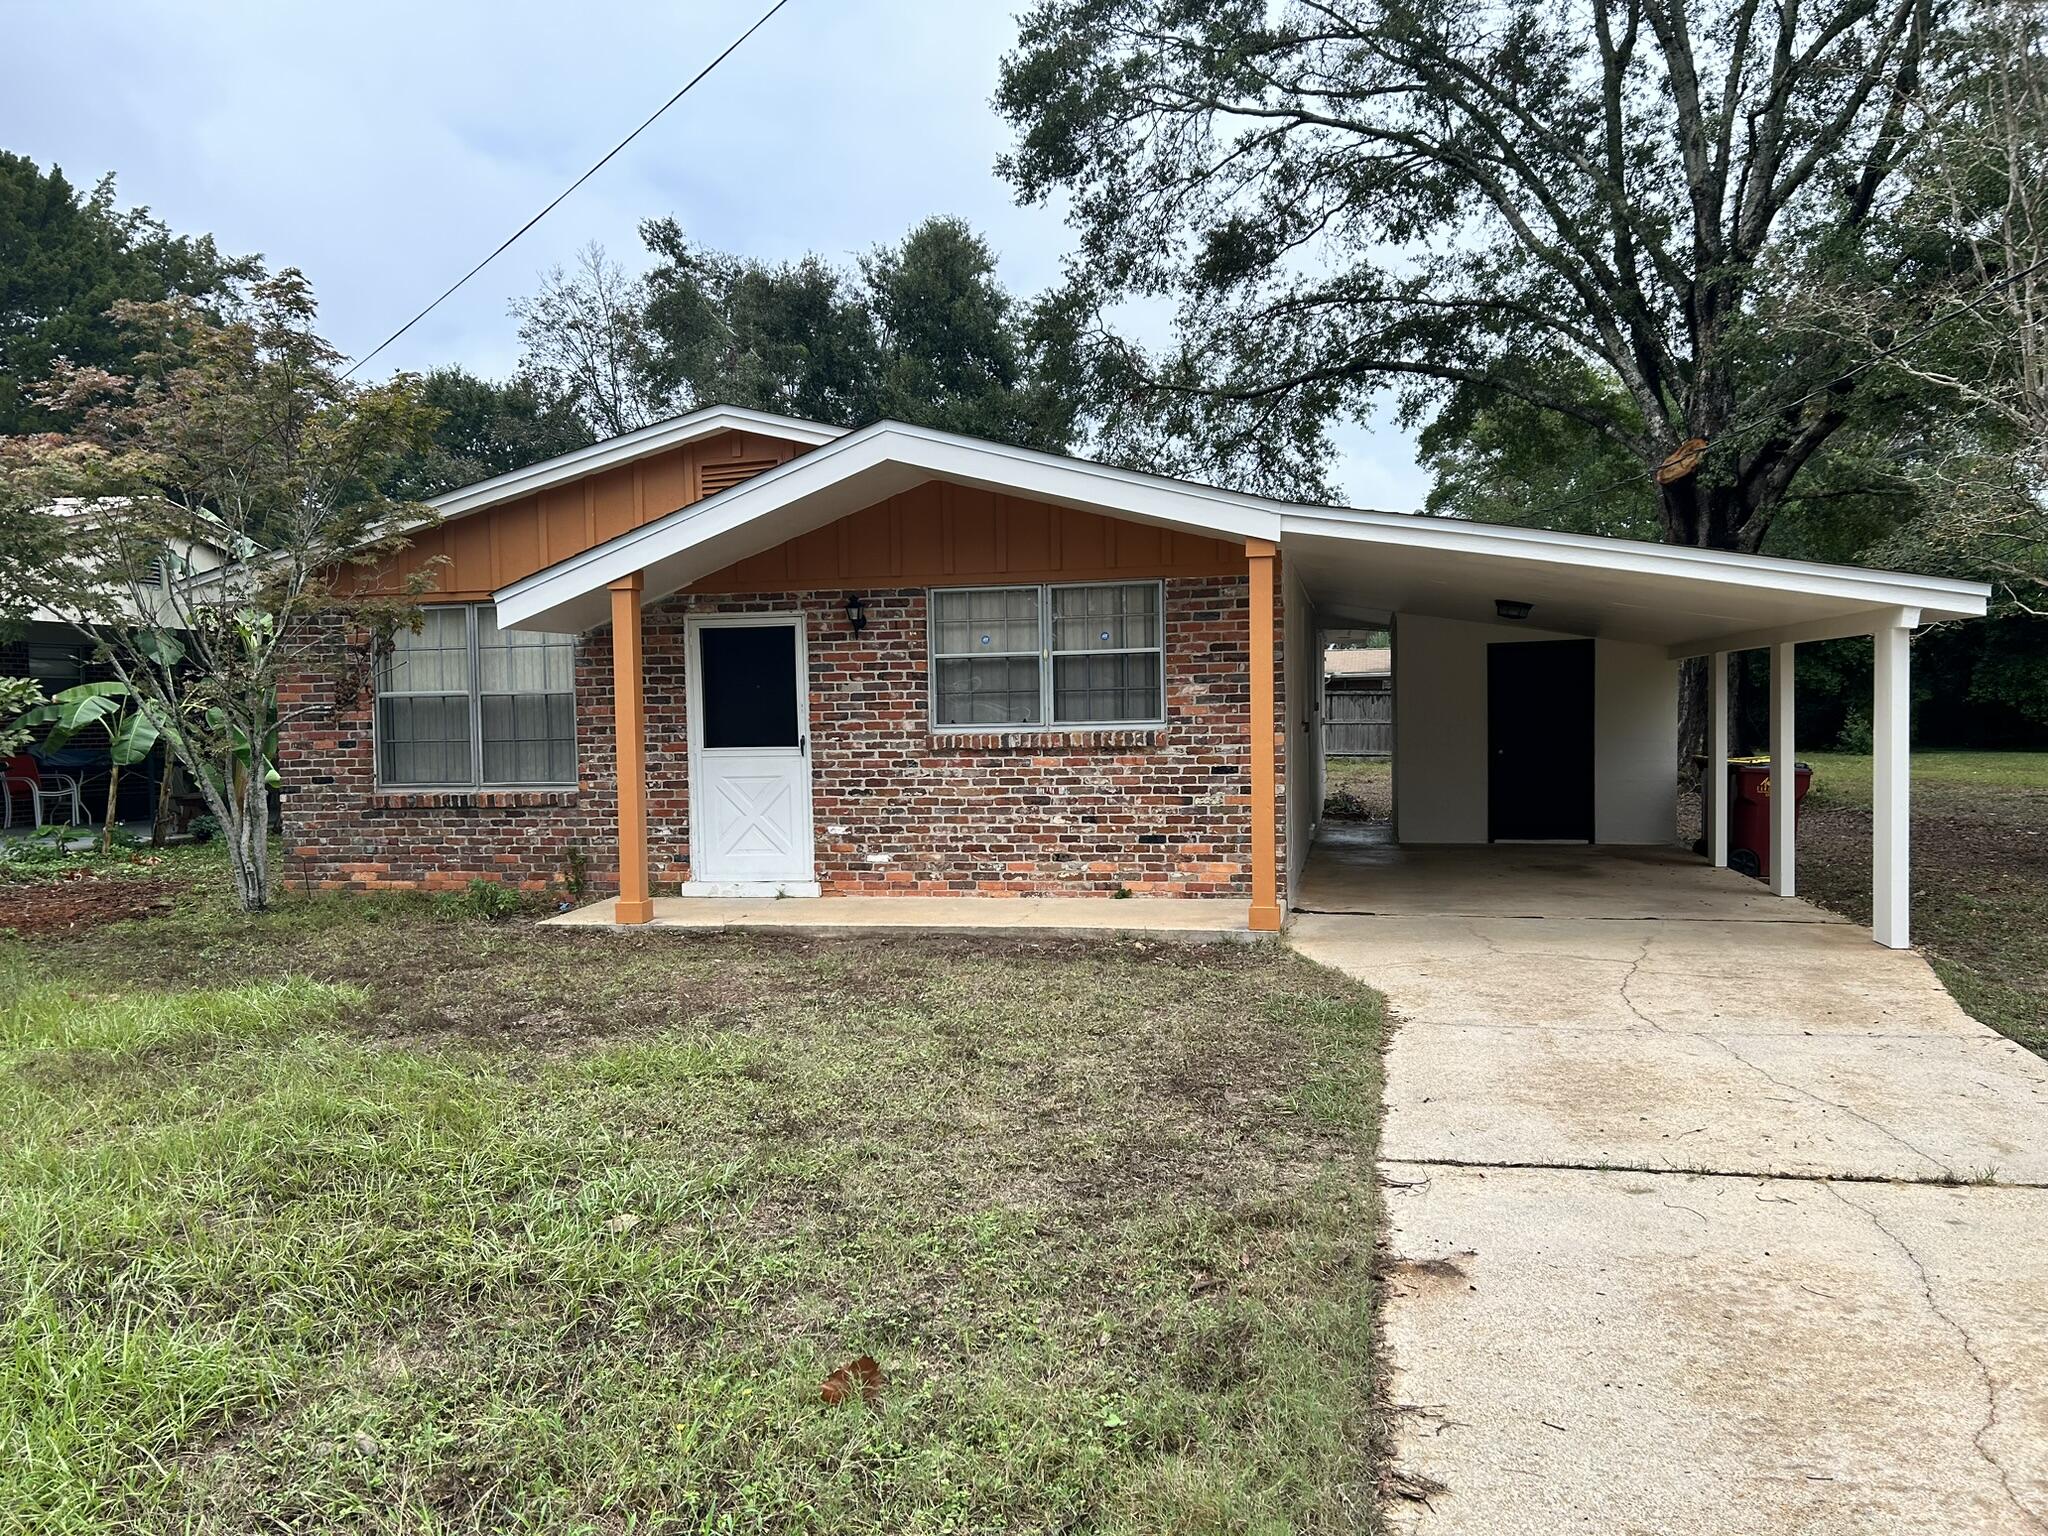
[{"x": 1749, "y": 812}]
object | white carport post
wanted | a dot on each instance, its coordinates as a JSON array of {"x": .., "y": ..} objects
[
  {"x": 1784, "y": 775},
  {"x": 1890, "y": 778},
  {"x": 1714, "y": 785}
]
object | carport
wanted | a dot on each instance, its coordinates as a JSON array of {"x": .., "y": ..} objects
[{"x": 1536, "y": 682}]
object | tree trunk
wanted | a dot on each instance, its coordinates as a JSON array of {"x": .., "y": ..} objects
[
  {"x": 160, "y": 823},
  {"x": 113, "y": 794},
  {"x": 1693, "y": 709},
  {"x": 249, "y": 845}
]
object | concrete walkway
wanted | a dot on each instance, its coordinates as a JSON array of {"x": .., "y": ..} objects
[
  {"x": 1166, "y": 919},
  {"x": 1705, "y": 1213}
]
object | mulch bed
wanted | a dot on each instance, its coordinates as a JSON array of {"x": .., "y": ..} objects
[{"x": 75, "y": 902}]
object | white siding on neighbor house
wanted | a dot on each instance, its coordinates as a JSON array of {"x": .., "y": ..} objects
[
  {"x": 1440, "y": 760},
  {"x": 1301, "y": 710}
]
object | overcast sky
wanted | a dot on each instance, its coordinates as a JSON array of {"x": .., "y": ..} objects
[{"x": 384, "y": 148}]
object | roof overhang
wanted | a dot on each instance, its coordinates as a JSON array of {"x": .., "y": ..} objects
[
  {"x": 1360, "y": 567},
  {"x": 854, "y": 472},
  {"x": 1357, "y": 567}
]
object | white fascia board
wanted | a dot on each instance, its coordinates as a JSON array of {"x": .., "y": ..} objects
[
  {"x": 1869, "y": 621},
  {"x": 1937, "y": 596},
  {"x": 560, "y": 593},
  {"x": 614, "y": 451}
]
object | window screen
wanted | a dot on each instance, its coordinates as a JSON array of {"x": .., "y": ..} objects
[
  {"x": 526, "y": 685},
  {"x": 1106, "y": 653},
  {"x": 464, "y": 704},
  {"x": 1068, "y": 655},
  {"x": 987, "y": 656},
  {"x": 747, "y": 685}
]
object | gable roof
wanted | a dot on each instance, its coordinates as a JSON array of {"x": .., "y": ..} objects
[
  {"x": 1353, "y": 564},
  {"x": 624, "y": 449}
]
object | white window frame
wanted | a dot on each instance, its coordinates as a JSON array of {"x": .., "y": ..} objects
[
  {"x": 1045, "y": 724},
  {"x": 476, "y": 783}
]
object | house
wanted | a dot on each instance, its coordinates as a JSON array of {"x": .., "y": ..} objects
[
  {"x": 1358, "y": 701},
  {"x": 49, "y": 648},
  {"x": 738, "y": 653}
]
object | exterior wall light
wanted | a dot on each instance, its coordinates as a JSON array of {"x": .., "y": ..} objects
[
  {"x": 1511, "y": 610},
  {"x": 856, "y": 612}
]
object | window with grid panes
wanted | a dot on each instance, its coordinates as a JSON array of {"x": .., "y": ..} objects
[
  {"x": 463, "y": 704},
  {"x": 1075, "y": 655}
]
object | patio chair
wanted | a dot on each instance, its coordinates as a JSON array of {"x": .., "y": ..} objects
[{"x": 23, "y": 776}]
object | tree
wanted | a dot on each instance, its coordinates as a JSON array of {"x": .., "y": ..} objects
[
  {"x": 585, "y": 343},
  {"x": 65, "y": 260},
  {"x": 1344, "y": 197},
  {"x": 1976, "y": 219},
  {"x": 482, "y": 428},
  {"x": 920, "y": 331},
  {"x": 954, "y": 350},
  {"x": 793, "y": 338},
  {"x": 237, "y": 434}
]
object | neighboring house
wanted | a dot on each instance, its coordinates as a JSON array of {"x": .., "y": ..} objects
[
  {"x": 1358, "y": 701},
  {"x": 49, "y": 648},
  {"x": 737, "y": 653}
]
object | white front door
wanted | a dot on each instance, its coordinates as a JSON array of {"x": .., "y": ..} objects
[{"x": 750, "y": 758}]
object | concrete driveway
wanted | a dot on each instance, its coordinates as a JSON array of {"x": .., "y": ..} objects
[{"x": 1705, "y": 1214}]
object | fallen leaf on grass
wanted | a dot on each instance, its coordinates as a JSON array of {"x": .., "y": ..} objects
[{"x": 863, "y": 1376}]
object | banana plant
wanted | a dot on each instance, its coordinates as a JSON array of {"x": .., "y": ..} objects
[{"x": 133, "y": 726}]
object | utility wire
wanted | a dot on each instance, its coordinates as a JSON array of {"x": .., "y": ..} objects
[{"x": 688, "y": 85}]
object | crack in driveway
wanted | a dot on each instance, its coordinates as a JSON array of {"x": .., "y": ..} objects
[
  {"x": 1769, "y": 1076},
  {"x": 2034, "y": 1517}
]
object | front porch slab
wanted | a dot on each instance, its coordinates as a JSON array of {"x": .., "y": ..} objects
[{"x": 1171, "y": 919}]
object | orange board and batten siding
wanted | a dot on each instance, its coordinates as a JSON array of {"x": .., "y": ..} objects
[
  {"x": 930, "y": 535},
  {"x": 470, "y": 557}
]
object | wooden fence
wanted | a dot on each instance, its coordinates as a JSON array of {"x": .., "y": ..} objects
[{"x": 1358, "y": 724}]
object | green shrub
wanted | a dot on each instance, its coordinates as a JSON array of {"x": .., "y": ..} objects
[
  {"x": 1854, "y": 735},
  {"x": 480, "y": 900}
]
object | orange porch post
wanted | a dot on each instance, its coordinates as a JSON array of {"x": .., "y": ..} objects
[
  {"x": 629, "y": 715},
  {"x": 1263, "y": 558}
]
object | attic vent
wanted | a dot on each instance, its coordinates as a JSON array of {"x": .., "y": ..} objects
[{"x": 723, "y": 477}]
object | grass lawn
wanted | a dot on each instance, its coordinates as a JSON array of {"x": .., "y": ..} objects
[
  {"x": 368, "y": 1215},
  {"x": 1980, "y": 872}
]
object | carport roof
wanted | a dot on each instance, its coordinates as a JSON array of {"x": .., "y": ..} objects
[{"x": 1356, "y": 566}]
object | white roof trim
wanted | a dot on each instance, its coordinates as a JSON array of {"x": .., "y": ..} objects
[
  {"x": 1771, "y": 572},
  {"x": 893, "y": 457},
  {"x": 859, "y": 468},
  {"x": 627, "y": 447}
]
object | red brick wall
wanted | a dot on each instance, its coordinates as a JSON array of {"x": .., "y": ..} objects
[{"x": 897, "y": 807}]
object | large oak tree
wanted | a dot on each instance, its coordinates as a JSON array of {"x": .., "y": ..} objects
[{"x": 1343, "y": 196}]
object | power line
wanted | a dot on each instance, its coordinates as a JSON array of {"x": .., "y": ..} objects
[{"x": 688, "y": 85}]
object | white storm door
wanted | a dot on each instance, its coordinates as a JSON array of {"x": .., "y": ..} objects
[{"x": 750, "y": 761}]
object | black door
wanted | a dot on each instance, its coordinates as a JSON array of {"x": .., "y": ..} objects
[{"x": 1539, "y": 741}]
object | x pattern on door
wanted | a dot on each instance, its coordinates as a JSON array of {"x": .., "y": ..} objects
[{"x": 757, "y": 815}]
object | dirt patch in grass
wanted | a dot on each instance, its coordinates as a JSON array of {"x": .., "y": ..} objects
[
  {"x": 1358, "y": 789},
  {"x": 80, "y": 901},
  {"x": 541, "y": 1230}
]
